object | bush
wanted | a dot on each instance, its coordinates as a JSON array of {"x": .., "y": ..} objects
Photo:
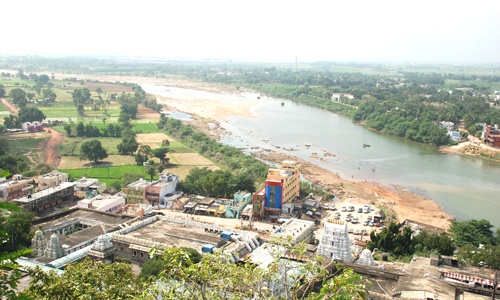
[
  {"x": 30, "y": 173},
  {"x": 124, "y": 260}
]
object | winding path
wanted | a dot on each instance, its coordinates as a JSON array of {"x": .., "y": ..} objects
[
  {"x": 51, "y": 150},
  {"x": 11, "y": 108}
]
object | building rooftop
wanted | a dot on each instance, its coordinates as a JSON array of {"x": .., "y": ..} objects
[
  {"x": 108, "y": 220},
  {"x": 100, "y": 201},
  {"x": 53, "y": 174},
  {"x": 207, "y": 201},
  {"x": 180, "y": 235},
  {"x": 45, "y": 192},
  {"x": 85, "y": 182}
]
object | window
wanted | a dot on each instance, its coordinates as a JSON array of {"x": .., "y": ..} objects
[
  {"x": 134, "y": 253},
  {"x": 142, "y": 254}
]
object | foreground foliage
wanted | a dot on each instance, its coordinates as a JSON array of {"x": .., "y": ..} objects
[{"x": 209, "y": 278}]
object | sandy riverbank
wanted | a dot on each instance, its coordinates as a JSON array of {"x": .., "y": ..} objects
[{"x": 474, "y": 147}]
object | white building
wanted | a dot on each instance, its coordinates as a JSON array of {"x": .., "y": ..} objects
[
  {"x": 298, "y": 230},
  {"x": 336, "y": 96},
  {"x": 51, "y": 179},
  {"x": 448, "y": 125},
  {"x": 334, "y": 243},
  {"x": 106, "y": 203}
]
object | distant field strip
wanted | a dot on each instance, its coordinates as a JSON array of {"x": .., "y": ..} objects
[{"x": 191, "y": 159}]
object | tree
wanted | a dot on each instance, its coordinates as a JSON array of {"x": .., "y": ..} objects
[
  {"x": 11, "y": 121},
  {"x": 4, "y": 146},
  {"x": 17, "y": 95},
  {"x": 67, "y": 128},
  {"x": 480, "y": 256},
  {"x": 93, "y": 151},
  {"x": 159, "y": 153},
  {"x": 472, "y": 232},
  {"x": 80, "y": 109},
  {"x": 30, "y": 114},
  {"x": 86, "y": 280},
  {"x": 151, "y": 170},
  {"x": 2, "y": 91},
  {"x": 127, "y": 146},
  {"x": 10, "y": 275},
  {"x": 18, "y": 226},
  {"x": 98, "y": 90},
  {"x": 117, "y": 185},
  {"x": 145, "y": 150},
  {"x": 43, "y": 79},
  {"x": 80, "y": 129}
]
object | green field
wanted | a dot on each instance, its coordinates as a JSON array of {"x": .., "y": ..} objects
[
  {"x": 71, "y": 145},
  {"x": 21, "y": 146},
  {"x": 114, "y": 172},
  {"x": 138, "y": 127},
  {"x": 3, "y": 108}
]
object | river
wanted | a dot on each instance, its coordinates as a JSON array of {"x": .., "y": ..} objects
[{"x": 466, "y": 187}]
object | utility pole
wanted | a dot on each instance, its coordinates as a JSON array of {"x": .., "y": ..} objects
[{"x": 392, "y": 206}]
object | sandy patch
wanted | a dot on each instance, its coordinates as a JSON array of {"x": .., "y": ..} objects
[
  {"x": 147, "y": 113},
  {"x": 211, "y": 109},
  {"x": 152, "y": 138},
  {"x": 191, "y": 159},
  {"x": 183, "y": 171}
]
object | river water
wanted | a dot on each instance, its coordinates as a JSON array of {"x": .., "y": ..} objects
[{"x": 467, "y": 187}]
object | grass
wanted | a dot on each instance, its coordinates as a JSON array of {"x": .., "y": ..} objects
[
  {"x": 106, "y": 172},
  {"x": 71, "y": 146},
  {"x": 71, "y": 162},
  {"x": 3, "y": 108},
  {"x": 20, "y": 146}
]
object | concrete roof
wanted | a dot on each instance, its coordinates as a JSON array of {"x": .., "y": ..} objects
[{"x": 45, "y": 192}]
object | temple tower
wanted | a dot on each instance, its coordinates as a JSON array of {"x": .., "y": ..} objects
[
  {"x": 54, "y": 248},
  {"x": 334, "y": 243}
]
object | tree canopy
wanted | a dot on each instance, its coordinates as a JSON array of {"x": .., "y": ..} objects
[
  {"x": 30, "y": 114},
  {"x": 92, "y": 150},
  {"x": 473, "y": 232}
]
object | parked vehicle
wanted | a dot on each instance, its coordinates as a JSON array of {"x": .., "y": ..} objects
[
  {"x": 364, "y": 232},
  {"x": 369, "y": 218},
  {"x": 366, "y": 210},
  {"x": 332, "y": 206},
  {"x": 310, "y": 213},
  {"x": 348, "y": 219},
  {"x": 344, "y": 208},
  {"x": 365, "y": 223},
  {"x": 371, "y": 224},
  {"x": 318, "y": 214},
  {"x": 351, "y": 208},
  {"x": 360, "y": 210},
  {"x": 378, "y": 224},
  {"x": 355, "y": 220},
  {"x": 356, "y": 231},
  {"x": 336, "y": 217},
  {"x": 350, "y": 230}
]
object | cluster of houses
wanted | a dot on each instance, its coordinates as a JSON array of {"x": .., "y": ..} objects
[{"x": 48, "y": 191}]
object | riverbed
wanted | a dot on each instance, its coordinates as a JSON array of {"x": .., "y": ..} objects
[{"x": 466, "y": 187}]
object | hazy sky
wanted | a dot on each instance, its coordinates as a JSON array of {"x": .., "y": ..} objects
[{"x": 422, "y": 31}]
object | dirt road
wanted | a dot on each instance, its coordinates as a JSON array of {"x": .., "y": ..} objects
[
  {"x": 51, "y": 151},
  {"x": 11, "y": 108}
]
